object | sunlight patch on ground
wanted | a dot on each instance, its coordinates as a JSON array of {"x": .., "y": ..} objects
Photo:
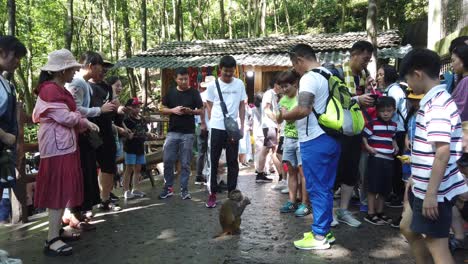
[
  {"x": 167, "y": 235},
  {"x": 38, "y": 226},
  {"x": 128, "y": 209},
  {"x": 383, "y": 253}
]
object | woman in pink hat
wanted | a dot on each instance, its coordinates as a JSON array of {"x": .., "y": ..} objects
[{"x": 59, "y": 183}]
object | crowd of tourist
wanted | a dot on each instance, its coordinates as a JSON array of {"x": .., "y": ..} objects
[{"x": 402, "y": 142}]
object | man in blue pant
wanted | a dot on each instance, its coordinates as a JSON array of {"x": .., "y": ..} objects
[{"x": 320, "y": 152}]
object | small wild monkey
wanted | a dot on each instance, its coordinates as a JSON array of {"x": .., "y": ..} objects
[{"x": 231, "y": 211}]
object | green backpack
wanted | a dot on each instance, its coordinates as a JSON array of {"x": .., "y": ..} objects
[{"x": 339, "y": 101}]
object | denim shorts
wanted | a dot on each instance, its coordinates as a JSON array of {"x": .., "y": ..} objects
[
  {"x": 132, "y": 159},
  {"x": 439, "y": 228},
  {"x": 291, "y": 152}
]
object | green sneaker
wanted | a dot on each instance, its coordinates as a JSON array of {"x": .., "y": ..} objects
[
  {"x": 288, "y": 207},
  {"x": 329, "y": 236},
  {"x": 309, "y": 242}
]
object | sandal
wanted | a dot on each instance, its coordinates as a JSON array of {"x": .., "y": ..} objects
[
  {"x": 384, "y": 218},
  {"x": 374, "y": 219},
  {"x": 65, "y": 250},
  {"x": 70, "y": 237}
]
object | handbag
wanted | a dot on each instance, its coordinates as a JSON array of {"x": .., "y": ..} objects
[
  {"x": 231, "y": 126},
  {"x": 94, "y": 139}
]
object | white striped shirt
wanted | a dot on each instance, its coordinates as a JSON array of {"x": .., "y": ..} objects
[{"x": 437, "y": 121}]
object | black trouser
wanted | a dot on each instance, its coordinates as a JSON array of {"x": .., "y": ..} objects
[
  {"x": 218, "y": 142},
  {"x": 91, "y": 192},
  {"x": 398, "y": 185},
  {"x": 348, "y": 166}
]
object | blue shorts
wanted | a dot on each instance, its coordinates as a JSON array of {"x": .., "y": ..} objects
[
  {"x": 132, "y": 159},
  {"x": 291, "y": 152}
]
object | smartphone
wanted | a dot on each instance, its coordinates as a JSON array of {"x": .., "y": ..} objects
[{"x": 375, "y": 97}]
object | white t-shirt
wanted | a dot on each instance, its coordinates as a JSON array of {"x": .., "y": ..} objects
[
  {"x": 233, "y": 94},
  {"x": 395, "y": 91},
  {"x": 269, "y": 97},
  {"x": 316, "y": 84}
]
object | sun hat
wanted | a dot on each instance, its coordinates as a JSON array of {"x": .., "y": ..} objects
[
  {"x": 133, "y": 101},
  {"x": 208, "y": 79},
  {"x": 60, "y": 60}
]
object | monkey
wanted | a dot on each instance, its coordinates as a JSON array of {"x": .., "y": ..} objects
[{"x": 230, "y": 213}]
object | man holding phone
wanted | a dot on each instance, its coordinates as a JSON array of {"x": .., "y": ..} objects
[{"x": 181, "y": 103}]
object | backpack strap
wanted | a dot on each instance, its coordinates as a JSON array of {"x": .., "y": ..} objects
[{"x": 399, "y": 103}]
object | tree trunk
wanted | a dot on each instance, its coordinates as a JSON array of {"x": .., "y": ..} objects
[
  {"x": 174, "y": 17},
  {"x": 371, "y": 25},
  {"x": 181, "y": 19},
  {"x": 144, "y": 47},
  {"x": 221, "y": 11},
  {"x": 229, "y": 14},
  {"x": 11, "y": 6},
  {"x": 101, "y": 28},
  {"x": 257, "y": 19},
  {"x": 286, "y": 13},
  {"x": 69, "y": 32},
  {"x": 343, "y": 14},
  {"x": 263, "y": 18},
  {"x": 128, "y": 46},
  {"x": 177, "y": 19},
  {"x": 249, "y": 22},
  {"x": 275, "y": 7}
]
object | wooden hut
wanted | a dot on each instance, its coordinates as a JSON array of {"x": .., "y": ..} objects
[{"x": 257, "y": 58}]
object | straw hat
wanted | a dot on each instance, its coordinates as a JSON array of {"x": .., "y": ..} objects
[
  {"x": 208, "y": 79},
  {"x": 60, "y": 60}
]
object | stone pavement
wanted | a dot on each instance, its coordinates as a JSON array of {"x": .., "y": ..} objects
[{"x": 149, "y": 230}]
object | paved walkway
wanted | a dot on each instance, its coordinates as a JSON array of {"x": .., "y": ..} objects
[{"x": 176, "y": 231}]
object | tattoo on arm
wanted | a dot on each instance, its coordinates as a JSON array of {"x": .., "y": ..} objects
[{"x": 306, "y": 99}]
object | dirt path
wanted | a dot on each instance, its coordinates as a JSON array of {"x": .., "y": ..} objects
[{"x": 176, "y": 231}]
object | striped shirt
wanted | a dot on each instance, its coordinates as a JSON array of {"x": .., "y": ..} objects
[
  {"x": 380, "y": 136},
  {"x": 437, "y": 120}
]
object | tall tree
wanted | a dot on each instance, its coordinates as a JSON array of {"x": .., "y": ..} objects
[
  {"x": 144, "y": 47},
  {"x": 222, "y": 14},
  {"x": 128, "y": 45},
  {"x": 263, "y": 18},
  {"x": 371, "y": 26},
  {"x": 177, "y": 15},
  {"x": 11, "y": 6},
  {"x": 69, "y": 31},
  {"x": 286, "y": 14}
]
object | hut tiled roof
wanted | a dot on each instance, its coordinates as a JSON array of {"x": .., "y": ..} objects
[{"x": 267, "y": 51}]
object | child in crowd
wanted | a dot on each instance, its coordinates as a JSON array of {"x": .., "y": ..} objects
[
  {"x": 405, "y": 159},
  {"x": 291, "y": 153},
  {"x": 435, "y": 178},
  {"x": 379, "y": 141},
  {"x": 134, "y": 148}
]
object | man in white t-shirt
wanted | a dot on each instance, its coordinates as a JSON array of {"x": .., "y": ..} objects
[
  {"x": 320, "y": 153},
  {"x": 233, "y": 93},
  {"x": 270, "y": 132}
]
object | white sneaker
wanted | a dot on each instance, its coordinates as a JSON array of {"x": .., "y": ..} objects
[
  {"x": 334, "y": 222},
  {"x": 280, "y": 185},
  {"x": 138, "y": 193},
  {"x": 128, "y": 195},
  {"x": 285, "y": 190}
]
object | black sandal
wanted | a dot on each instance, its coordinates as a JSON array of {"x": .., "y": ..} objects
[
  {"x": 73, "y": 237},
  {"x": 384, "y": 218},
  {"x": 61, "y": 251},
  {"x": 374, "y": 219}
]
